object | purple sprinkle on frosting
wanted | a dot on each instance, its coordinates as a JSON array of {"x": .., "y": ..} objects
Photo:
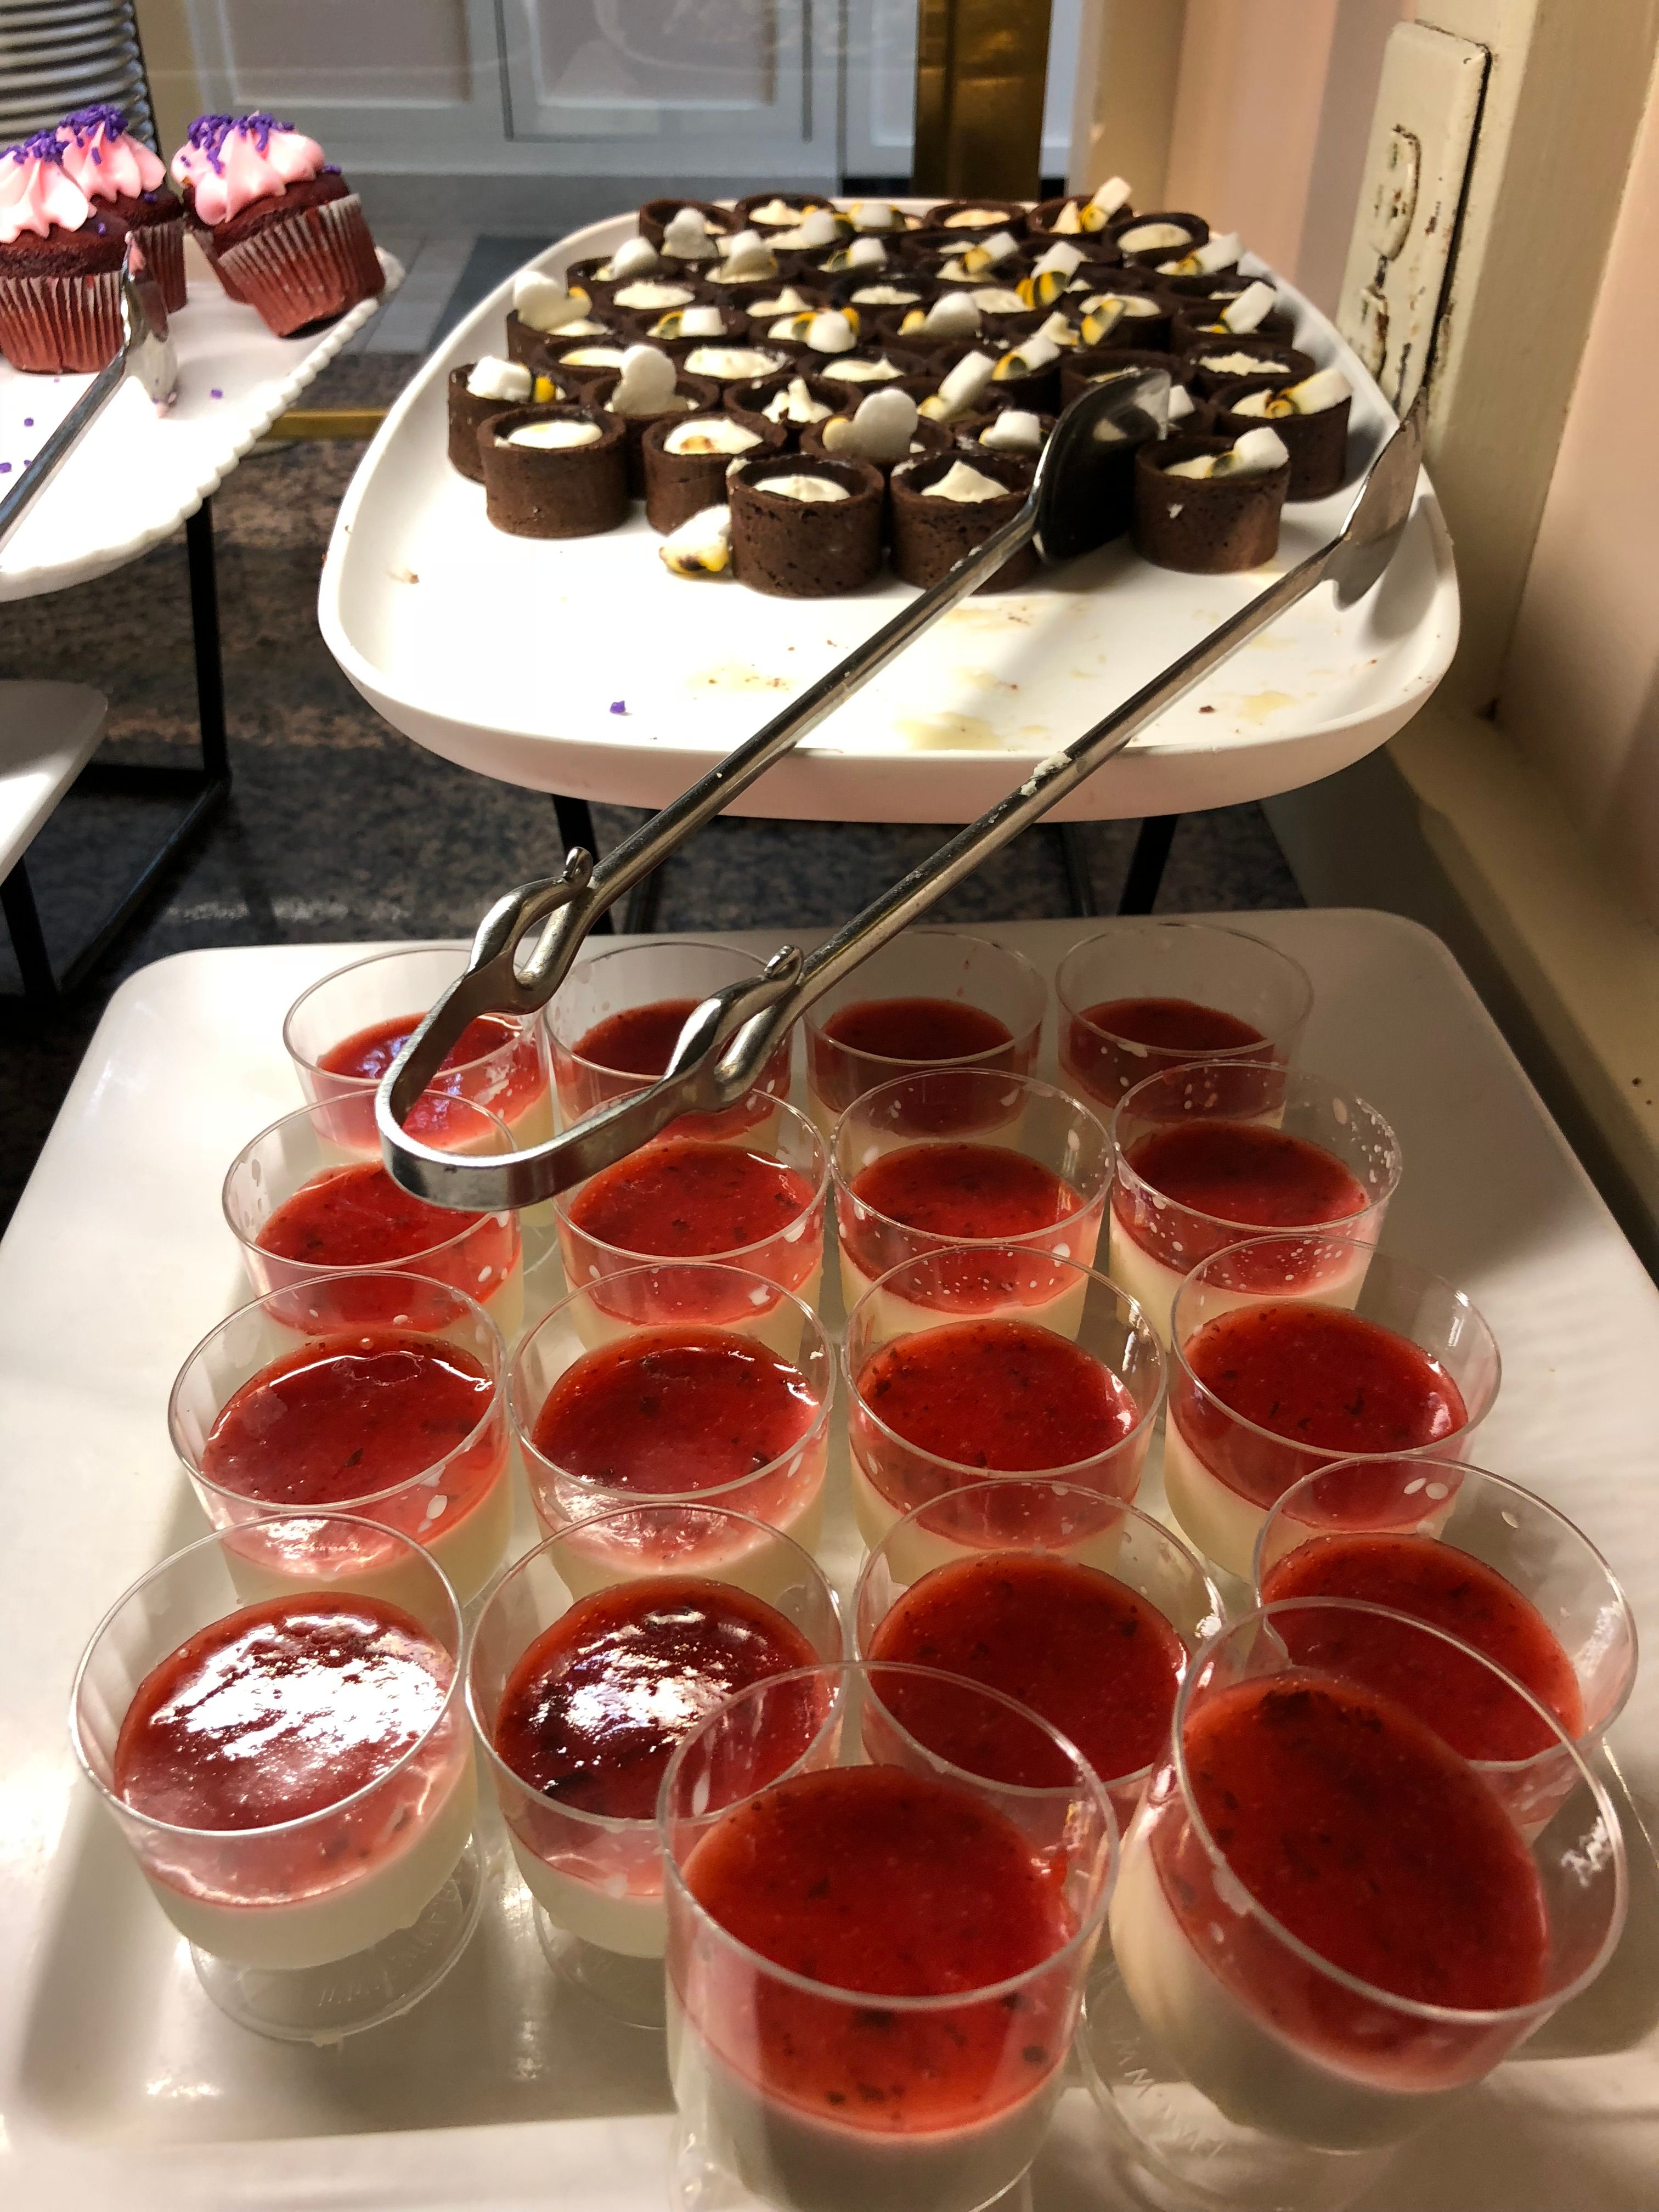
[
  {"x": 43, "y": 146},
  {"x": 619, "y": 706},
  {"x": 216, "y": 393},
  {"x": 208, "y": 134},
  {"x": 29, "y": 422},
  {"x": 5, "y": 468},
  {"x": 84, "y": 122}
]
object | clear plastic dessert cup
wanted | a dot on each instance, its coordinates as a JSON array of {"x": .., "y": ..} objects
[
  {"x": 310, "y": 1929},
  {"x": 1157, "y": 1239},
  {"x": 987, "y": 1520},
  {"x": 1256, "y": 2062},
  {"x": 457, "y": 1506},
  {"x": 1040, "y": 1134},
  {"x": 481, "y": 1255},
  {"x": 1223, "y": 1472},
  {"x": 791, "y": 1256},
  {"x": 1262, "y": 995},
  {"x": 784, "y": 1491},
  {"x": 956, "y": 1914},
  {"x": 390, "y": 993},
  {"x": 978, "y": 1289},
  {"x": 1379, "y": 1524},
  {"x": 596, "y": 1879},
  {"x": 970, "y": 975},
  {"x": 614, "y": 987}
]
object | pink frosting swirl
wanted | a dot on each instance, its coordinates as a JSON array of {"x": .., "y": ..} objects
[
  {"x": 36, "y": 191},
  {"x": 105, "y": 159},
  {"x": 231, "y": 162}
]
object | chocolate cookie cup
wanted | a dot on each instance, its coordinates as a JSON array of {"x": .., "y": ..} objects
[
  {"x": 947, "y": 219},
  {"x": 582, "y": 360},
  {"x": 758, "y": 211},
  {"x": 1194, "y": 231},
  {"x": 553, "y": 491},
  {"x": 1316, "y": 443},
  {"x": 1087, "y": 366},
  {"x": 1205, "y": 526},
  {"x": 1144, "y": 322},
  {"x": 931, "y": 533},
  {"x": 1036, "y": 389},
  {"x": 679, "y": 483},
  {"x": 470, "y": 411},
  {"x": 694, "y": 395},
  {"x": 1194, "y": 324},
  {"x": 1215, "y": 361},
  {"x": 744, "y": 400},
  {"x": 926, "y": 440},
  {"x": 656, "y": 216},
  {"x": 804, "y": 548}
]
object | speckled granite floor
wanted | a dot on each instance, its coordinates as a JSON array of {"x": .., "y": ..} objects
[{"x": 338, "y": 828}]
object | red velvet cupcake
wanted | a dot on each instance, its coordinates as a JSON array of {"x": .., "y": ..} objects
[
  {"x": 283, "y": 230},
  {"x": 118, "y": 172},
  {"x": 60, "y": 266}
]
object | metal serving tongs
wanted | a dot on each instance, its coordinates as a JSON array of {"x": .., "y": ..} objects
[
  {"x": 729, "y": 1038},
  {"x": 146, "y": 355}
]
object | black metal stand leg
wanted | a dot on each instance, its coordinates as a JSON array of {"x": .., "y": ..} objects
[
  {"x": 205, "y": 788},
  {"x": 575, "y": 820},
  {"x": 28, "y": 940},
  {"x": 1141, "y": 885},
  {"x": 1078, "y": 882},
  {"x": 204, "y": 628},
  {"x": 639, "y": 914}
]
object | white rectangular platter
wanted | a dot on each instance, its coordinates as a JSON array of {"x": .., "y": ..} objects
[
  {"x": 137, "y": 474},
  {"x": 583, "y": 666},
  {"x": 118, "y": 2084}
]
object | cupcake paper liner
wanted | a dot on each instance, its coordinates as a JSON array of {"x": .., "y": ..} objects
[
  {"x": 60, "y": 325},
  {"x": 307, "y": 269},
  {"x": 164, "y": 250}
]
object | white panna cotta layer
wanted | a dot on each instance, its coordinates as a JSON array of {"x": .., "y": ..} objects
[
  {"x": 630, "y": 1921},
  {"x": 368, "y": 1906},
  {"x": 599, "y": 1560},
  {"x": 808, "y": 2165},
  {"x": 893, "y": 1315},
  {"x": 773, "y": 1322},
  {"x": 1152, "y": 1283},
  {"x": 1257, "y": 2078},
  {"x": 469, "y": 1552}
]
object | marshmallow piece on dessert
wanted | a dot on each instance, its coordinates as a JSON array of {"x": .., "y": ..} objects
[
  {"x": 961, "y": 389},
  {"x": 1181, "y": 403},
  {"x": 1253, "y": 304},
  {"x": 989, "y": 251},
  {"x": 701, "y": 323},
  {"x": 952, "y": 315},
  {"x": 1013, "y": 431},
  {"x": 832, "y": 331},
  {"x": 1058, "y": 327},
  {"x": 702, "y": 546},
  {"x": 1257, "y": 453},
  {"x": 819, "y": 230},
  {"x": 1101, "y": 319},
  {"x": 1326, "y": 387},
  {"x": 997, "y": 300},
  {"x": 1105, "y": 201},
  {"x": 964, "y": 484},
  {"x": 645, "y": 382},
  {"x": 635, "y": 257},
  {"x": 1204, "y": 261},
  {"x": 748, "y": 254},
  {"x": 787, "y": 302},
  {"x": 1026, "y": 358},
  {"x": 872, "y": 214},
  {"x": 880, "y": 429},
  {"x": 867, "y": 253},
  {"x": 1060, "y": 258},
  {"x": 492, "y": 378},
  {"x": 685, "y": 235},
  {"x": 780, "y": 213},
  {"x": 543, "y": 303}
]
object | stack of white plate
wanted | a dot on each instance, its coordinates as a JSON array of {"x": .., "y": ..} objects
[{"x": 59, "y": 54}]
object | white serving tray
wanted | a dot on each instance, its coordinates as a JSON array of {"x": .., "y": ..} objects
[
  {"x": 120, "y": 2084},
  {"x": 508, "y": 654},
  {"x": 137, "y": 474}
]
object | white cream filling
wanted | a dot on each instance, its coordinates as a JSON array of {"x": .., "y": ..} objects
[
  {"x": 594, "y": 357},
  {"x": 649, "y": 296},
  {"x": 730, "y": 364},
  {"x": 804, "y": 487},
  {"x": 1133, "y": 304},
  {"x": 997, "y": 300},
  {"x": 710, "y": 433},
  {"x": 795, "y": 403},
  {"x": 779, "y": 213},
  {"x": 880, "y": 371},
  {"x": 1148, "y": 237},
  {"x": 1242, "y": 364},
  {"x": 977, "y": 218},
  {"x": 556, "y": 437},
  {"x": 966, "y": 485},
  {"x": 885, "y": 295}
]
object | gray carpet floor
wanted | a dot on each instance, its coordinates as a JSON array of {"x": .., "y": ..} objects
[{"x": 339, "y": 829}]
